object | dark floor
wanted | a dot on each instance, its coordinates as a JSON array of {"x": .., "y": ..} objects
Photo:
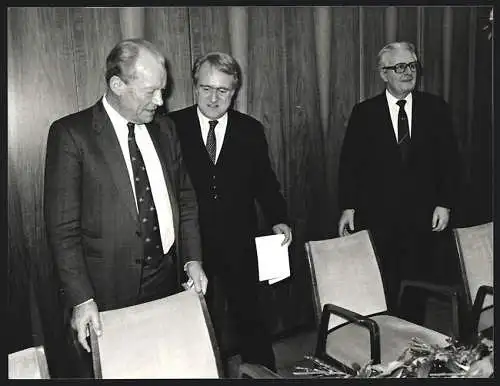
[{"x": 290, "y": 350}]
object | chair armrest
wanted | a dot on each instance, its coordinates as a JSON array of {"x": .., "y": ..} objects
[
  {"x": 251, "y": 370},
  {"x": 477, "y": 307},
  {"x": 449, "y": 291},
  {"x": 353, "y": 317},
  {"x": 94, "y": 349}
]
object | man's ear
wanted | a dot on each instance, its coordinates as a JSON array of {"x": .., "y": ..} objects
[
  {"x": 383, "y": 74},
  {"x": 117, "y": 85}
]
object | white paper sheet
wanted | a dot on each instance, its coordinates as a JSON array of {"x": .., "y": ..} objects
[{"x": 273, "y": 259}]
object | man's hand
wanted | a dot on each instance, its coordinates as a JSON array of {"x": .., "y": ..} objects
[
  {"x": 86, "y": 314},
  {"x": 440, "y": 218},
  {"x": 347, "y": 219},
  {"x": 285, "y": 230},
  {"x": 197, "y": 275}
]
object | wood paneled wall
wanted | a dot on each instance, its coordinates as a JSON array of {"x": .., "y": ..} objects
[{"x": 304, "y": 68}]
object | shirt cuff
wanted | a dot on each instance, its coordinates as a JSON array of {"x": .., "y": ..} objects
[
  {"x": 186, "y": 265},
  {"x": 85, "y": 302}
]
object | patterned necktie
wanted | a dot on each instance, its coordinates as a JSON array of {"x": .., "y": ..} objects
[
  {"x": 150, "y": 229},
  {"x": 403, "y": 130},
  {"x": 211, "y": 142}
]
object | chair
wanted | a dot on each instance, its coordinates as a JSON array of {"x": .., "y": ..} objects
[
  {"x": 171, "y": 337},
  {"x": 350, "y": 303},
  {"x": 29, "y": 363},
  {"x": 351, "y": 310},
  {"x": 475, "y": 252}
]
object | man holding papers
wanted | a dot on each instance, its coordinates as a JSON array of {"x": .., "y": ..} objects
[{"x": 226, "y": 155}]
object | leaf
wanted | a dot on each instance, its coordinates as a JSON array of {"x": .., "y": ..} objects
[{"x": 424, "y": 369}]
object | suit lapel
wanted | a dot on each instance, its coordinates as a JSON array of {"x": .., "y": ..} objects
[
  {"x": 110, "y": 147},
  {"x": 228, "y": 136},
  {"x": 415, "y": 121},
  {"x": 387, "y": 133}
]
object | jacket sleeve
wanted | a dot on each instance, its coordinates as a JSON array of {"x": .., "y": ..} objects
[
  {"x": 189, "y": 229},
  {"x": 62, "y": 202},
  {"x": 349, "y": 166},
  {"x": 267, "y": 186},
  {"x": 448, "y": 160}
]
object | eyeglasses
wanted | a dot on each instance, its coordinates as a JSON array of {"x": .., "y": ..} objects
[
  {"x": 222, "y": 92},
  {"x": 400, "y": 68}
]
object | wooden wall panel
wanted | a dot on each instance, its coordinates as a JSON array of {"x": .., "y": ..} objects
[
  {"x": 459, "y": 77},
  {"x": 209, "y": 28},
  {"x": 238, "y": 33},
  {"x": 432, "y": 51},
  {"x": 168, "y": 28},
  {"x": 131, "y": 22},
  {"x": 304, "y": 161},
  {"x": 266, "y": 101},
  {"x": 96, "y": 31},
  {"x": 482, "y": 143},
  {"x": 266, "y": 73},
  {"x": 41, "y": 88},
  {"x": 407, "y": 29},
  {"x": 344, "y": 89},
  {"x": 373, "y": 19}
]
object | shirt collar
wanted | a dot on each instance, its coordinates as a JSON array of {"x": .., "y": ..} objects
[
  {"x": 114, "y": 115},
  {"x": 204, "y": 120},
  {"x": 391, "y": 100}
]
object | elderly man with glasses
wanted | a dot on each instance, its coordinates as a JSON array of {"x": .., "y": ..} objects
[{"x": 399, "y": 173}]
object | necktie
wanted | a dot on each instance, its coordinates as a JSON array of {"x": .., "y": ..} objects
[
  {"x": 211, "y": 142},
  {"x": 403, "y": 130},
  {"x": 153, "y": 250}
]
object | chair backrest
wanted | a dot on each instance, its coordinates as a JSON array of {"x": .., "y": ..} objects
[
  {"x": 475, "y": 251},
  {"x": 345, "y": 272},
  {"x": 29, "y": 363},
  {"x": 171, "y": 337}
]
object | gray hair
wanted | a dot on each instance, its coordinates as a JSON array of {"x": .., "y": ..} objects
[
  {"x": 121, "y": 60},
  {"x": 391, "y": 47},
  {"x": 222, "y": 62}
]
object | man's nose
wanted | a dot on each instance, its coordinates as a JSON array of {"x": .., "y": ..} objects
[
  {"x": 407, "y": 70},
  {"x": 213, "y": 94}
]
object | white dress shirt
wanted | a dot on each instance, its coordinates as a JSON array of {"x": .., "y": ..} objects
[
  {"x": 220, "y": 130},
  {"x": 153, "y": 168},
  {"x": 394, "y": 110}
]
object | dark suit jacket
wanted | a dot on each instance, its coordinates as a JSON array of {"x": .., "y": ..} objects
[
  {"x": 227, "y": 191},
  {"x": 372, "y": 179},
  {"x": 91, "y": 217}
]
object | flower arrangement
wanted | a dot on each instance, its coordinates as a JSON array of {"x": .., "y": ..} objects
[{"x": 420, "y": 360}]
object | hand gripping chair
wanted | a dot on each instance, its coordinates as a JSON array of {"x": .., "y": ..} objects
[
  {"x": 171, "y": 337},
  {"x": 29, "y": 363},
  {"x": 475, "y": 252},
  {"x": 355, "y": 326}
]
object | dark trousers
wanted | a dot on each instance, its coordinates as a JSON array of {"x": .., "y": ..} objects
[
  {"x": 245, "y": 311},
  {"x": 158, "y": 281},
  {"x": 403, "y": 253},
  {"x": 413, "y": 254}
]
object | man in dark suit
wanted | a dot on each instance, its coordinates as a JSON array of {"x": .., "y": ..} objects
[
  {"x": 398, "y": 171},
  {"x": 120, "y": 209},
  {"x": 226, "y": 155}
]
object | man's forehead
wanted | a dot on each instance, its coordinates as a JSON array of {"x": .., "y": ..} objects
[{"x": 399, "y": 55}]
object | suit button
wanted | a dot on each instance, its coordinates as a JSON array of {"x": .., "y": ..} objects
[
  {"x": 148, "y": 259},
  {"x": 138, "y": 261},
  {"x": 215, "y": 196}
]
